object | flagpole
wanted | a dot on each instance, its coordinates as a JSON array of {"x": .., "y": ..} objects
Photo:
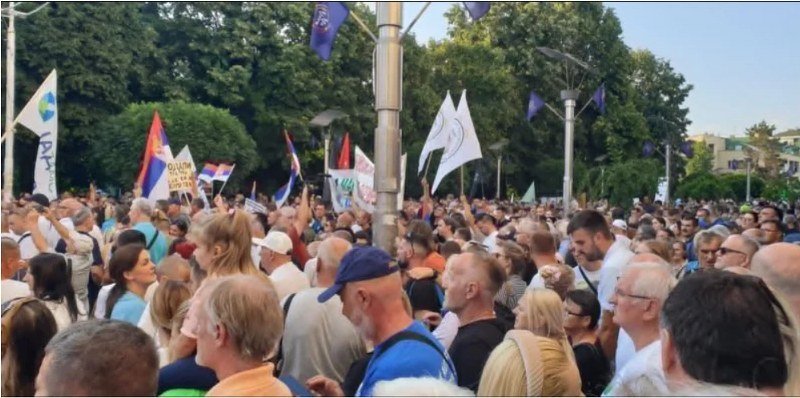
[
  {"x": 428, "y": 165},
  {"x": 8, "y": 184},
  {"x": 461, "y": 169}
]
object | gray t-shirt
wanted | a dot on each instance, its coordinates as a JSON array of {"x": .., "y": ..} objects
[{"x": 318, "y": 339}]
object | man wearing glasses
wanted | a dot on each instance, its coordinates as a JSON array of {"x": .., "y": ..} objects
[
  {"x": 736, "y": 251},
  {"x": 638, "y": 298},
  {"x": 772, "y": 230}
]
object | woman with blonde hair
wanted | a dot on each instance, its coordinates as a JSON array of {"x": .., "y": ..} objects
[
  {"x": 525, "y": 364},
  {"x": 559, "y": 278},
  {"x": 223, "y": 248}
]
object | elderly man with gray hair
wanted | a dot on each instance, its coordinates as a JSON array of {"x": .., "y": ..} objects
[
  {"x": 706, "y": 243},
  {"x": 140, "y": 214},
  {"x": 238, "y": 325},
  {"x": 642, "y": 288}
]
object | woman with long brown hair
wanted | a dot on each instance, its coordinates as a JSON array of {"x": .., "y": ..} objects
[{"x": 28, "y": 325}]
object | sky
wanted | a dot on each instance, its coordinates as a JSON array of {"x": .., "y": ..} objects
[{"x": 743, "y": 59}]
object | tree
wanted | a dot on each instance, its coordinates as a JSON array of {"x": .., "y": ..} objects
[
  {"x": 738, "y": 184},
  {"x": 211, "y": 133},
  {"x": 703, "y": 160},
  {"x": 703, "y": 185},
  {"x": 764, "y": 148}
]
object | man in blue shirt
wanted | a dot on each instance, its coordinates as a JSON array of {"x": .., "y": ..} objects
[
  {"x": 140, "y": 215},
  {"x": 369, "y": 284}
]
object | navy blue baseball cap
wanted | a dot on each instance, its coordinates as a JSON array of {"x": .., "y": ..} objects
[{"x": 360, "y": 264}]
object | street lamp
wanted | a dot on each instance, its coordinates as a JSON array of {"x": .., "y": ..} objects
[
  {"x": 568, "y": 95},
  {"x": 322, "y": 120},
  {"x": 498, "y": 149}
]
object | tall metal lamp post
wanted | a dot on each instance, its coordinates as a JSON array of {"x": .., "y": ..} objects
[
  {"x": 497, "y": 148},
  {"x": 569, "y": 96}
]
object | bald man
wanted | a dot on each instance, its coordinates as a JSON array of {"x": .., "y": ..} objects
[
  {"x": 736, "y": 251},
  {"x": 471, "y": 281},
  {"x": 755, "y": 234},
  {"x": 779, "y": 266},
  {"x": 369, "y": 285}
]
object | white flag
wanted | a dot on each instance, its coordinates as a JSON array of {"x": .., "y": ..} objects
[
  {"x": 365, "y": 196},
  {"x": 462, "y": 143},
  {"x": 40, "y": 115},
  {"x": 437, "y": 137}
]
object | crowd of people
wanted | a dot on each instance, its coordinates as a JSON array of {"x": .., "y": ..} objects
[{"x": 126, "y": 296}]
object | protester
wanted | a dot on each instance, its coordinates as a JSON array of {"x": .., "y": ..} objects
[
  {"x": 772, "y": 230},
  {"x": 132, "y": 272},
  {"x": 372, "y": 297},
  {"x": 688, "y": 230},
  {"x": 140, "y": 214},
  {"x": 28, "y": 325},
  {"x": 657, "y": 247},
  {"x": 318, "y": 339},
  {"x": 49, "y": 281},
  {"x": 11, "y": 263},
  {"x": 706, "y": 244},
  {"x": 238, "y": 326},
  {"x": 592, "y": 239},
  {"x": 513, "y": 261},
  {"x": 166, "y": 303},
  {"x": 276, "y": 261},
  {"x": 471, "y": 283},
  {"x": 736, "y": 251},
  {"x": 99, "y": 358},
  {"x": 729, "y": 306},
  {"x": 418, "y": 249},
  {"x": 638, "y": 298},
  {"x": 581, "y": 314},
  {"x": 777, "y": 265},
  {"x": 678, "y": 260}
]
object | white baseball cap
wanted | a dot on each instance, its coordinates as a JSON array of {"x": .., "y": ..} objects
[
  {"x": 276, "y": 241},
  {"x": 619, "y": 224}
]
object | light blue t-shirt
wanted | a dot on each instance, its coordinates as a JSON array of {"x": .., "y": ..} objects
[
  {"x": 407, "y": 358},
  {"x": 159, "y": 248},
  {"x": 129, "y": 308}
]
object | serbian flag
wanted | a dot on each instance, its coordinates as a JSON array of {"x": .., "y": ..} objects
[
  {"x": 293, "y": 155},
  {"x": 208, "y": 172},
  {"x": 152, "y": 177},
  {"x": 224, "y": 172},
  {"x": 283, "y": 192},
  {"x": 344, "y": 153}
]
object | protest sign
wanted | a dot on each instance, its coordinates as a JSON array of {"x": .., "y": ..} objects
[{"x": 180, "y": 175}]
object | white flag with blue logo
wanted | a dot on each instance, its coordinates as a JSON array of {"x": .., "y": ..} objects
[
  {"x": 40, "y": 115},
  {"x": 462, "y": 142}
]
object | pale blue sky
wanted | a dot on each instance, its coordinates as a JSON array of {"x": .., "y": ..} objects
[{"x": 742, "y": 58}]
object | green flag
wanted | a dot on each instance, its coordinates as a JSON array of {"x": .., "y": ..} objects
[{"x": 530, "y": 194}]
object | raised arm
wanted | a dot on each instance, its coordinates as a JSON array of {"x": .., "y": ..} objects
[{"x": 303, "y": 213}]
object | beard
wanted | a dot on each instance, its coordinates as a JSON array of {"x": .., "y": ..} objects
[{"x": 364, "y": 326}]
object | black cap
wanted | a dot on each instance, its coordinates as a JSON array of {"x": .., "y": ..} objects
[{"x": 40, "y": 199}]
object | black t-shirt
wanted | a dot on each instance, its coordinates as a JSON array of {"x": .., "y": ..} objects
[
  {"x": 594, "y": 368},
  {"x": 471, "y": 348}
]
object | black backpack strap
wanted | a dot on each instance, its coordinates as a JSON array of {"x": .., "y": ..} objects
[
  {"x": 25, "y": 235},
  {"x": 409, "y": 335},
  {"x": 591, "y": 285},
  {"x": 152, "y": 240},
  {"x": 279, "y": 357}
]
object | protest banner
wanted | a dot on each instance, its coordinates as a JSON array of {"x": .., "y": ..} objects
[{"x": 180, "y": 175}]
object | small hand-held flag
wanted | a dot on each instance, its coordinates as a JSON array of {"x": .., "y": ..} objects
[
  {"x": 477, "y": 9},
  {"x": 344, "y": 153},
  {"x": 599, "y": 98},
  {"x": 535, "y": 104},
  {"x": 328, "y": 17},
  {"x": 224, "y": 172},
  {"x": 208, "y": 172}
]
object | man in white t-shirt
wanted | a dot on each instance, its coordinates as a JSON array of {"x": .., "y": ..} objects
[
  {"x": 19, "y": 227},
  {"x": 592, "y": 239},
  {"x": 11, "y": 263},
  {"x": 276, "y": 261},
  {"x": 638, "y": 298}
]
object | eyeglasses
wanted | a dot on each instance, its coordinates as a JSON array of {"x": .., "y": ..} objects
[
  {"x": 724, "y": 250},
  {"x": 620, "y": 293}
]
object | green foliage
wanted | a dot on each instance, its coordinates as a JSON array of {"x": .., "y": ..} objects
[
  {"x": 211, "y": 133},
  {"x": 782, "y": 189},
  {"x": 738, "y": 184},
  {"x": 253, "y": 60},
  {"x": 703, "y": 186},
  {"x": 621, "y": 182},
  {"x": 703, "y": 160}
]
